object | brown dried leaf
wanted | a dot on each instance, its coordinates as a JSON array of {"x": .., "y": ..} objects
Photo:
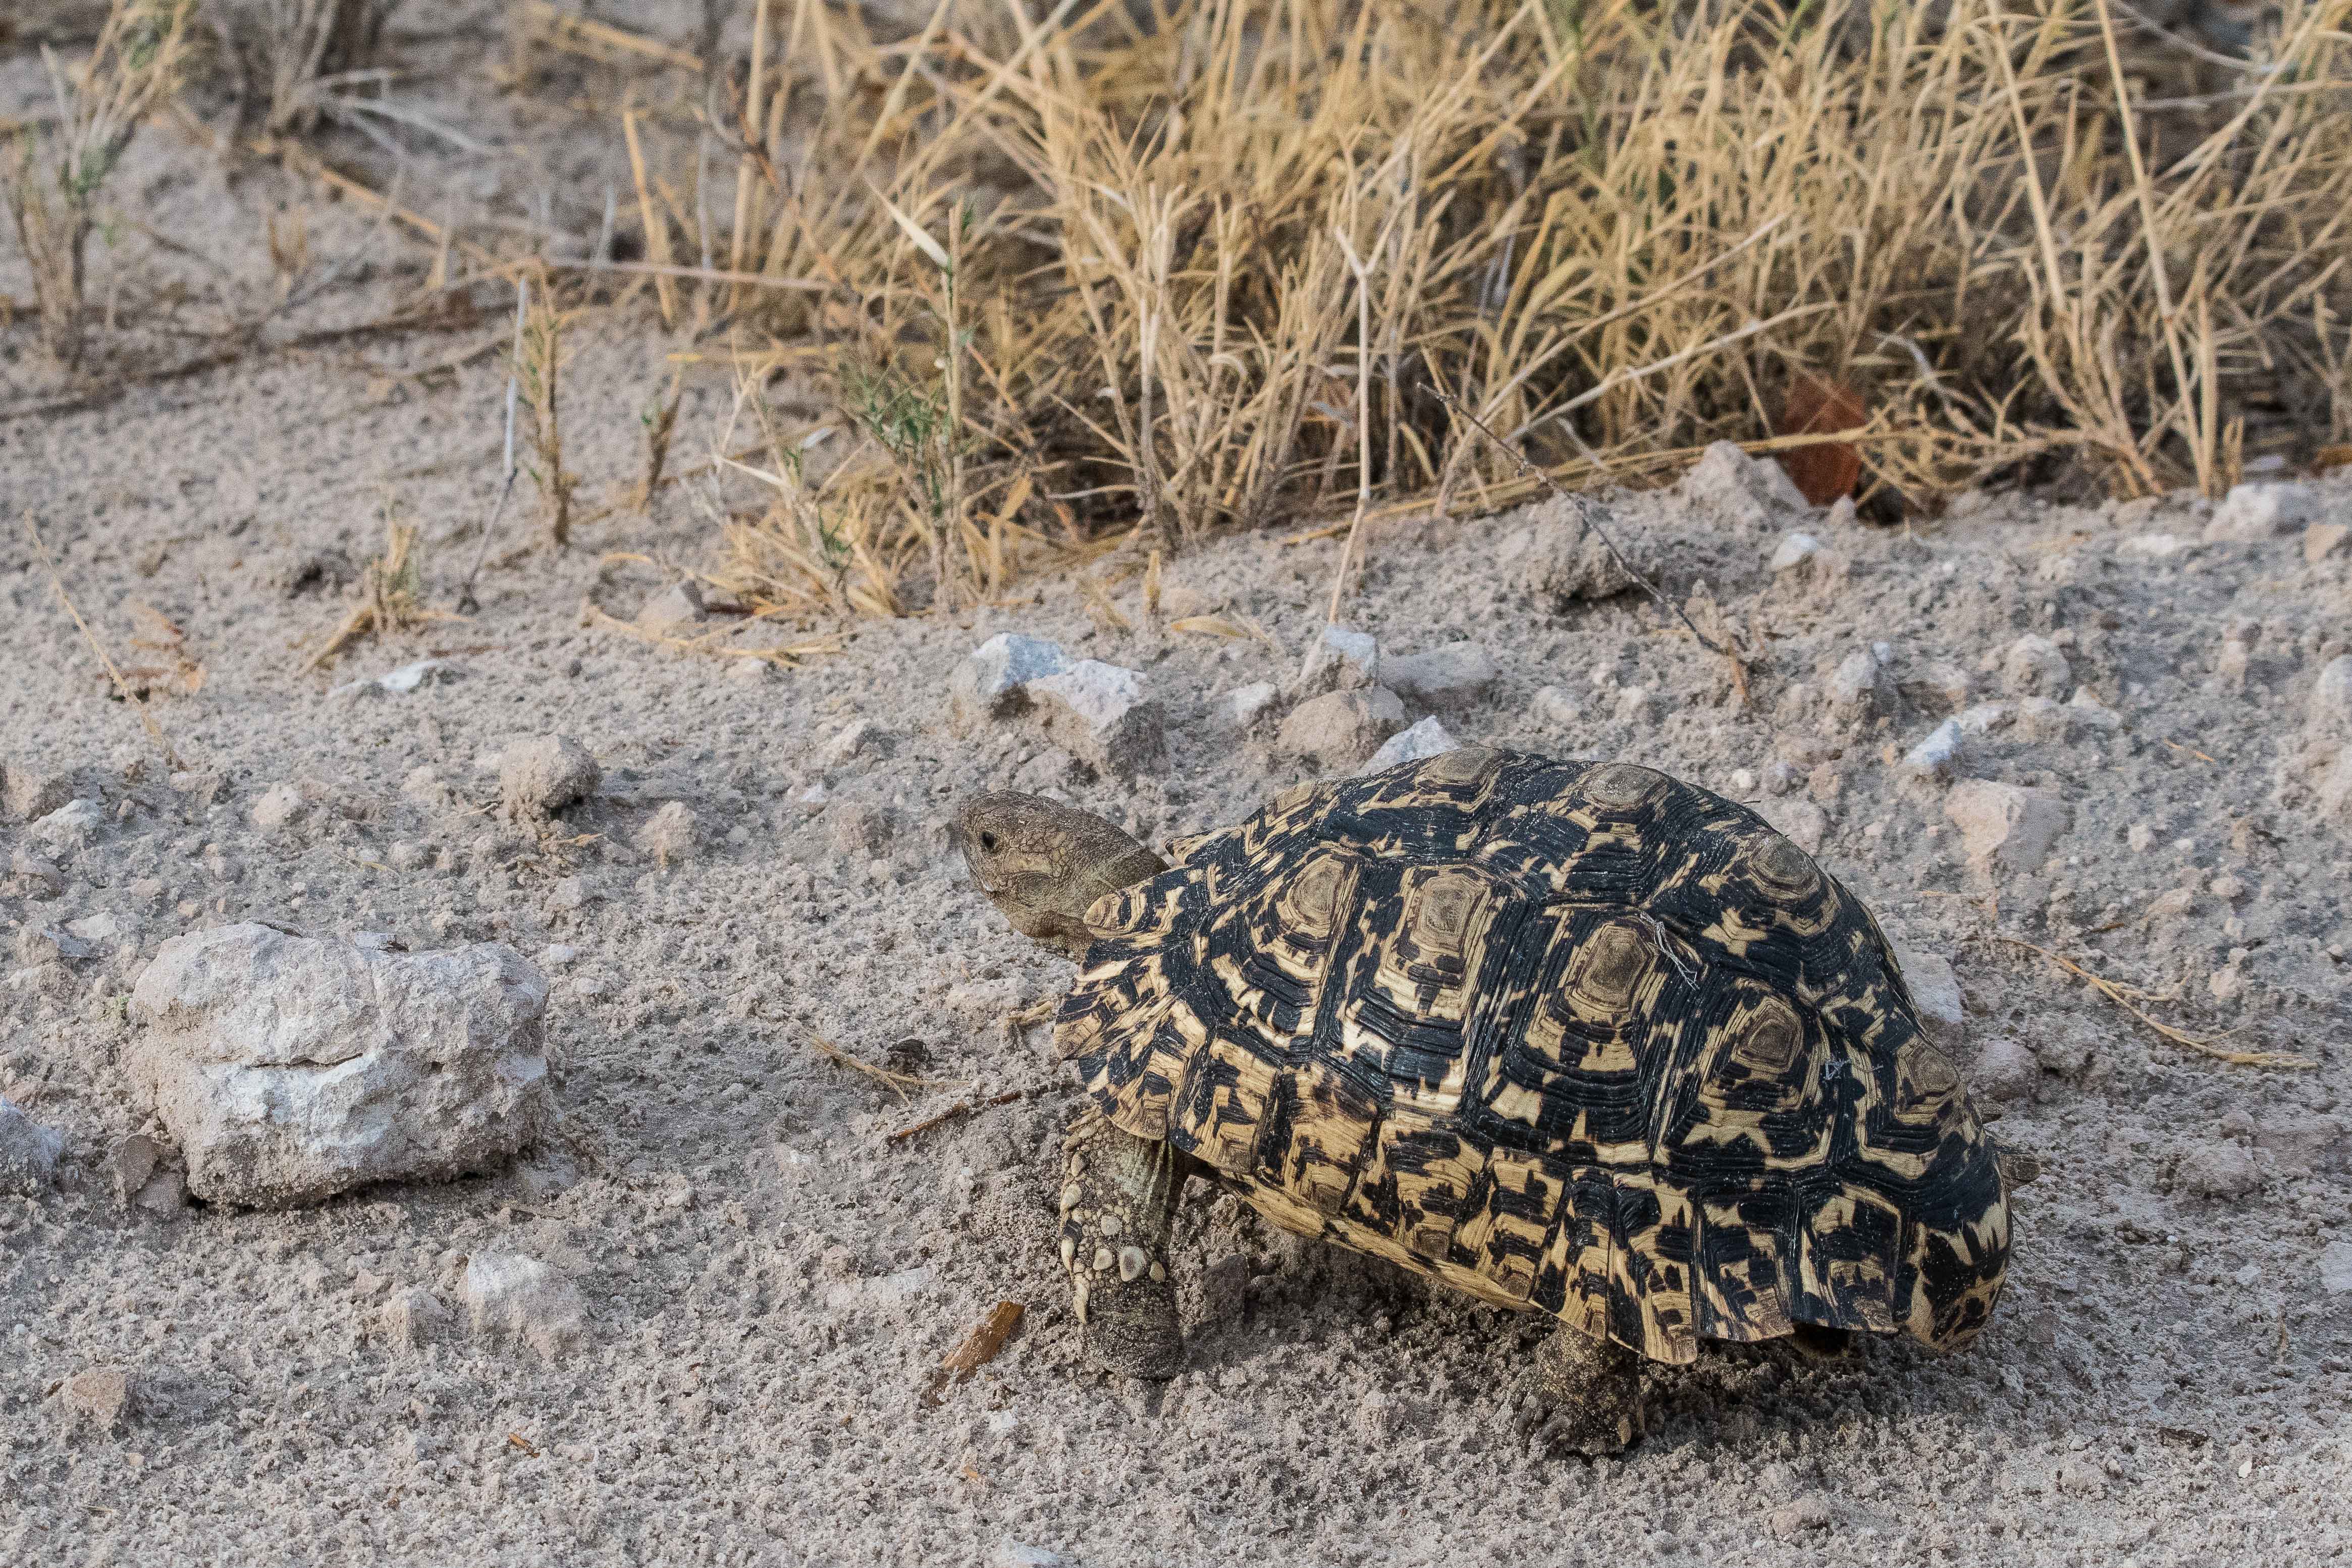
[
  {"x": 1816, "y": 407},
  {"x": 979, "y": 1348},
  {"x": 2328, "y": 458}
]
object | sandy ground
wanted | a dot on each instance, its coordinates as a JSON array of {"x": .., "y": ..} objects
[{"x": 769, "y": 1278}]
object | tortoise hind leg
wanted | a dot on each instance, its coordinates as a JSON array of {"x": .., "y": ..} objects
[
  {"x": 1589, "y": 1392},
  {"x": 1119, "y": 1201}
]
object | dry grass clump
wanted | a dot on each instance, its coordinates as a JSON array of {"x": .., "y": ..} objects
[
  {"x": 305, "y": 53},
  {"x": 1065, "y": 276},
  {"x": 51, "y": 178}
]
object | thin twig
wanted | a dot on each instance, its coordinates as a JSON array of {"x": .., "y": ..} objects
[
  {"x": 466, "y": 601},
  {"x": 2115, "y": 994},
  {"x": 956, "y": 1112},
  {"x": 897, "y": 1083}
]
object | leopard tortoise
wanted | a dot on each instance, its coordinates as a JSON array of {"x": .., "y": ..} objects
[{"x": 1571, "y": 1038}]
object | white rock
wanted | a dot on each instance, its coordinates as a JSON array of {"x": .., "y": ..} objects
[
  {"x": 1796, "y": 549},
  {"x": 2211, "y": 1167},
  {"x": 414, "y": 1317},
  {"x": 1731, "y": 484},
  {"x": 1455, "y": 673},
  {"x": 28, "y": 1152},
  {"x": 1427, "y": 738},
  {"x": 1944, "y": 684},
  {"x": 423, "y": 673},
  {"x": 2005, "y": 1070},
  {"x": 1985, "y": 717},
  {"x": 1341, "y": 730},
  {"x": 992, "y": 682},
  {"x": 1339, "y": 659},
  {"x": 2262, "y": 509},
  {"x": 2005, "y": 826},
  {"x": 514, "y": 1296},
  {"x": 1799, "y": 820},
  {"x": 103, "y": 927},
  {"x": 2327, "y": 714},
  {"x": 2156, "y": 547},
  {"x": 1098, "y": 713},
  {"x": 1862, "y": 688},
  {"x": 2085, "y": 712},
  {"x": 1935, "y": 992},
  {"x": 1936, "y": 760},
  {"x": 1244, "y": 706},
  {"x": 1009, "y": 1553},
  {"x": 674, "y": 608},
  {"x": 403, "y": 680},
  {"x": 290, "y": 1068},
  {"x": 30, "y": 796},
  {"x": 1555, "y": 706},
  {"x": 857, "y": 735},
  {"x": 2335, "y": 1267},
  {"x": 1557, "y": 561},
  {"x": 2034, "y": 666},
  {"x": 73, "y": 823},
  {"x": 279, "y": 806},
  {"x": 538, "y": 778}
]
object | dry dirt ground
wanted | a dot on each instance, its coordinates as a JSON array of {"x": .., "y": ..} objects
[{"x": 771, "y": 1280}]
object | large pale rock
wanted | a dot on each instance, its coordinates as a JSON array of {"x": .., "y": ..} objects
[
  {"x": 290, "y": 1068},
  {"x": 514, "y": 1296},
  {"x": 1339, "y": 659},
  {"x": 1455, "y": 672},
  {"x": 2262, "y": 509},
  {"x": 1936, "y": 760},
  {"x": 1727, "y": 483},
  {"x": 2006, "y": 827},
  {"x": 1555, "y": 560},
  {"x": 1099, "y": 714},
  {"x": 1426, "y": 739},
  {"x": 1936, "y": 992},
  {"x": 1341, "y": 730},
  {"x": 991, "y": 683},
  {"x": 539, "y": 777}
]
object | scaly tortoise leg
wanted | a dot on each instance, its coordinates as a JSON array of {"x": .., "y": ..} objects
[
  {"x": 1592, "y": 1391},
  {"x": 1119, "y": 1200}
]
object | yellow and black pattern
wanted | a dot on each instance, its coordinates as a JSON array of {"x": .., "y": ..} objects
[{"x": 1570, "y": 1037}]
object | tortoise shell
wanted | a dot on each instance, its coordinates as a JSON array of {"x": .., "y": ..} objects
[{"x": 1569, "y": 1037}]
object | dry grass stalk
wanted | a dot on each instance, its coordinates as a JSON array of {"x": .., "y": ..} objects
[
  {"x": 51, "y": 180},
  {"x": 1173, "y": 309},
  {"x": 536, "y": 361},
  {"x": 305, "y": 51},
  {"x": 123, "y": 689},
  {"x": 2203, "y": 1047},
  {"x": 392, "y": 595}
]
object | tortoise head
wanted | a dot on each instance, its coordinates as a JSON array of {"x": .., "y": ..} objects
[{"x": 1044, "y": 863}]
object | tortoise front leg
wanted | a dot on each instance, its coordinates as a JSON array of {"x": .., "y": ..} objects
[
  {"x": 1589, "y": 1392},
  {"x": 1119, "y": 1201}
]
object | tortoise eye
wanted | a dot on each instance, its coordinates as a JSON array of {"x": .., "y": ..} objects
[{"x": 988, "y": 842}]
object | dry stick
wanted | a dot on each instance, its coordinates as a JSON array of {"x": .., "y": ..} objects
[
  {"x": 746, "y": 166},
  {"x": 1363, "y": 274},
  {"x": 505, "y": 485},
  {"x": 1585, "y": 520},
  {"x": 897, "y": 1083},
  {"x": 956, "y": 1112},
  {"x": 2166, "y": 312},
  {"x": 121, "y": 687},
  {"x": 2114, "y": 993}
]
